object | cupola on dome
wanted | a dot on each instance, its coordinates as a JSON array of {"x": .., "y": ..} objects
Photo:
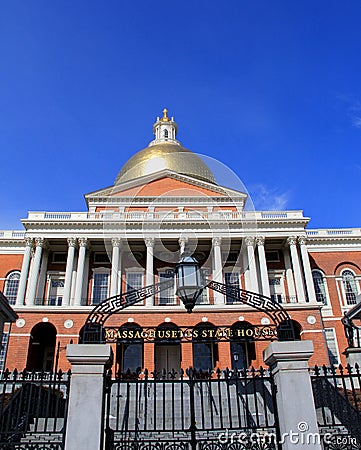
[{"x": 165, "y": 152}]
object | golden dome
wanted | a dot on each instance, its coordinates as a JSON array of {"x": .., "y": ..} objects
[{"x": 160, "y": 156}]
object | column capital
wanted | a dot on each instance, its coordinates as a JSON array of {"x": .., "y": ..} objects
[
  {"x": 291, "y": 240},
  {"x": 216, "y": 241},
  {"x": 302, "y": 240},
  {"x": 29, "y": 242},
  {"x": 260, "y": 240},
  {"x": 40, "y": 242},
  {"x": 83, "y": 242},
  {"x": 149, "y": 241},
  {"x": 116, "y": 242},
  {"x": 249, "y": 240},
  {"x": 72, "y": 242},
  {"x": 183, "y": 240}
]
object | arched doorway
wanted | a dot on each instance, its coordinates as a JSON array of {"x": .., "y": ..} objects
[
  {"x": 41, "y": 349},
  {"x": 242, "y": 348},
  {"x": 167, "y": 350},
  {"x": 130, "y": 350},
  {"x": 205, "y": 348}
]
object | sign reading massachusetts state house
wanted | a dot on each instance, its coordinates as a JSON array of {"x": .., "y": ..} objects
[{"x": 178, "y": 334}]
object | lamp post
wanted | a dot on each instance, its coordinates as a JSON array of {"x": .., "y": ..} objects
[{"x": 188, "y": 281}]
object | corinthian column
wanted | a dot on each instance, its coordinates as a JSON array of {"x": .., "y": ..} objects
[
  {"x": 69, "y": 270},
  {"x": 307, "y": 269},
  {"x": 252, "y": 263},
  {"x": 83, "y": 244},
  {"x": 217, "y": 268},
  {"x": 24, "y": 272},
  {"x": 149, "y": 276},
  {"x": 39, "y": 244},
  {"x": 263, "y": 266},
  {"x": 292, "y": 242},
  {"x": 114, "y": 284}
]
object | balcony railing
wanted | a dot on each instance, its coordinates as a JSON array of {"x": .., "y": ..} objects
[
  {"x": 345, "y": 232},
  {"x": 171, "y": 216}
]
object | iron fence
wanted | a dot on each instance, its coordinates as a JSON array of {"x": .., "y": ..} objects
[
  {"x": 191, "y": 410},
  {"x": 33, "y": 410},
  {"x": 337, "y": 396}
]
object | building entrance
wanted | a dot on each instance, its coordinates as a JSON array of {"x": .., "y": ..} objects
[{"x": 167, "y": 358}]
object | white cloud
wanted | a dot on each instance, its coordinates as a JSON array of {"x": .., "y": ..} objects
[
  {"x": 268, "y": 199},
  {"x": 357, "y": 122}
]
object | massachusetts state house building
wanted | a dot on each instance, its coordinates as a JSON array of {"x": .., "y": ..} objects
[{"x": 165, "y": 200}]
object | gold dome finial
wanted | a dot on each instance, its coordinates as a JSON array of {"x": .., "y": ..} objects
[{"x": 165, "y": 117}]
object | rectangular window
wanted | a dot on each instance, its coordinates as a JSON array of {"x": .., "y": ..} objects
[
  {"x": 59, "y": 258},
  {"x": 231, "y": 279},
  {"x": 134, "y": 281},
  {"x": 3, "y": 350},
  {"x": 101, "y": 258},
  {"x": 100, "y": 287},
  {"x": 332, "y": 346},
  {"x": 272, "y": 256},
  {"x": 166, "y": 296},
  {"x": 56, "y": 290}
]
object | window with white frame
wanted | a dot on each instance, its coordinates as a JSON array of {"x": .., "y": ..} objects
[
  {"x": 100, "y": 286},
  {"x": 12, "y": 286},
  {"x": 350, "y": 289},
  {"x": 167, "y": 296},
  {"x": 56, "y": 291},
  {"x": 231, "y": 279},
  {"x": 204, "y": 298},
  {"x": 3, "y": 350},
  {"x": 332, "y": 346},
  {"x": 319, "y": 282},
  {"x": 276, "y": 286},
  {"x": 134, "y": 280}
]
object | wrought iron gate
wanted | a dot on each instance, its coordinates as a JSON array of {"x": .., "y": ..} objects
[{"x": 191, "y": 410}]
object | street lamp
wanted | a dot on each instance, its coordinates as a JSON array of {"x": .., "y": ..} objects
[{"x": 188, "y": 281}]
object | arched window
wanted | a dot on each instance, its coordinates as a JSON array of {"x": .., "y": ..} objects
[
  {"x": 130, "y": 349},
  {"x": 166, "y": 134},
  {"x": 319, "y": 282},
  {"x": 12, "y": 286},
  {"x": 349, "y": 287},
  {"x": 243, "y": 349}
]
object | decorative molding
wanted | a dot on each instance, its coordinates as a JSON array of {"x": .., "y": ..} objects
[
  {"x": 40, "y": 242},
  {"x": 149, "y": 241},
  {"x": 83, "y": 242},
  {"x": 72, "y": 242},
  {"x": 216, "y": 241},
  {"x": 249, "y": 240},
  {"x": 116, "y": 242},
  {"x": 291, "y": 240},
  {"x": 302, "y": 240},
  {"x": 29, "y": 242},
  {"x": 260, "y": 240}
]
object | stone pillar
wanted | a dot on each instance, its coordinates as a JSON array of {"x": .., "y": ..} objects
[
  {"x": 288, "y": 362},
  {"x": 149, "y": 276},
  {"x": 114, "y": 282},
  {"x": 247, "y": 282},
  {"x": 83, "y": 244},
  {"x": 289, "y": 276},
  {"x": 39, "y": 299},
  {"x": 263, "y": 266},
  {"x": 24, "y": 272},
  {"x": 69, "y": 270},
  {"x": 252, "y": 264},
  {"x": 307, "y": 269},
  {"x": 353, "y": 356},
  {"x": 217, "y": 268},
  {"x": 182, "y": 244},
  {"x": 292, "y": 241},
  {"x": 84, "y": 429},
  {"x": 33, "y": 282}
]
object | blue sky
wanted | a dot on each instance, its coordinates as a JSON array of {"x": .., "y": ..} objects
[{"x": 270, "y": 88}]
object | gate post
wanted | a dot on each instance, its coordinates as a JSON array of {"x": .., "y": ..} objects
[
  {"x": 85, "y": 429},
  {"x": 288, "y": 362}
]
